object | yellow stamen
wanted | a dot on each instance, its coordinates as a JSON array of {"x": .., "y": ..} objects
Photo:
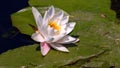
[{"x": 55, "y": 26}]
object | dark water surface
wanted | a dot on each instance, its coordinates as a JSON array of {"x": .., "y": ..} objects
[
  {"x": 115, "y": 5},
  {"x": 10, "y": 37}
]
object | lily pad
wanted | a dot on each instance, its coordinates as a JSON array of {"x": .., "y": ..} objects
[
  {"x": 30, "y": 57},
  {"x": 95, "y": 6}
]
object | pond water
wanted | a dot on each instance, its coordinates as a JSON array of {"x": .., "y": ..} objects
[
  {"x": 7, "y": 7},
  {"x": 115, "y": 5}
]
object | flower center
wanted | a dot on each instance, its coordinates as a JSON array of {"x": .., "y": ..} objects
[{"x": 55, "y": 26}]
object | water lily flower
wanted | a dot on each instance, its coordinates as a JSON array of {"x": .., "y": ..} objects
[{"x": 53, "y": 30}]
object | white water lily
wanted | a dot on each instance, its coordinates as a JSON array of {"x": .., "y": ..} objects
[{"x": 53, "y": 30}]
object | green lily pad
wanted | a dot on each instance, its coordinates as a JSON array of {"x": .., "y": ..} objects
[
  {"x": 30, "y": 57},
  {"x": 95, "y": 6}
]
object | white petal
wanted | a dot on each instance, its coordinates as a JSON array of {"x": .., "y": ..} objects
[
  {"x": 50, "y": 31},
  {"x": 44, "y": 34},
  {"x": 58, "y": 37},
  {"x": 67, "y": 40},
  {"x": 63, "y": 29},
  {"x": 45, "y": 48},
  {"x": 64, "y": 20},
  {"x": 37, "y": 16},
  {"x": 59, "y": 47},
  {"x": 77, "y": 40},
  {"x": 58, "y": 16},
  {"x": 48, "y": 15},
  {"x": 41, "y": 28},
  {"x": 51, "y": 11},
  {"x": 37, "y": 37},
  {"x": 46, "y": 18},
  {"x": 47, "y": 37},
  {"x": 70, "y": 27}
]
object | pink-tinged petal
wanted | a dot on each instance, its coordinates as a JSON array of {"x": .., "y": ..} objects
[
  {"x": 37, "y": 17},
  {"x": 67, "y": 40},
  {"x": 70, "y": 27},
  {"x": 37, "y": 37},
  {"x": 45, "y": 48},
  {"x": 59, "y": 47}
]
